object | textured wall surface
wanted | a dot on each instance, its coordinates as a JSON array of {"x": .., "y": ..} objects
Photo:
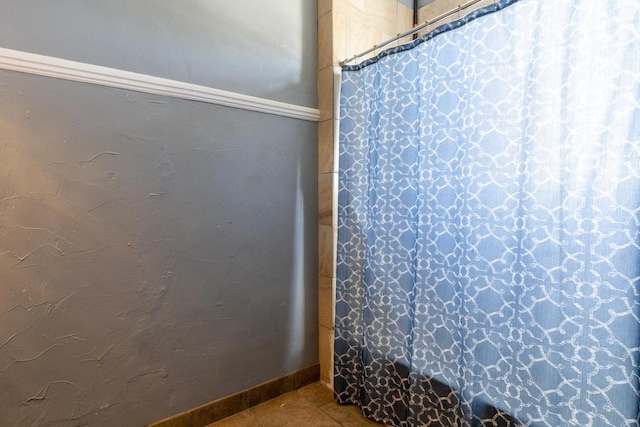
[{"x": 155, "y": 254}]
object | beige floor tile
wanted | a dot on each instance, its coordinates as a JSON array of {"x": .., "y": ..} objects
[
  {"x": 361, "y": 422},
  {"x": 309, "y": 406},
  {"x": 243, "y": 419},
  {"x": 347, "y": 415},
  {"x": 338, "y": 412},
  {"x": 317, "y": 394},
  {"x": 291, "y": 409}
]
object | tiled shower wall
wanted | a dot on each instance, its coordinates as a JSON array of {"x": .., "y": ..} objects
[{"x": 345, "y": 28}]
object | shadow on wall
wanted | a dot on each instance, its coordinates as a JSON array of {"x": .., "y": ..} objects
[
  {"x": 302, "y": 337},
  {"x": 303, "y": 294}
]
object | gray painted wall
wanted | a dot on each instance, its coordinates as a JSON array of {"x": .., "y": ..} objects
[
  {"x": 155, "y": 254},
  {"x": 259, "y": 48}
]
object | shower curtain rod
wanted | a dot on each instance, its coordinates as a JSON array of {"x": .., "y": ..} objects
[{"x": 413, "y": 30}]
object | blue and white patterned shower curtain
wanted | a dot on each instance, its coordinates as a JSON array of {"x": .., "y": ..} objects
[{"x": 489, "y": 221}]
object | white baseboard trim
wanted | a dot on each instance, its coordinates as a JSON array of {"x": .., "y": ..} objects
[{"x": 48, "y": 66}]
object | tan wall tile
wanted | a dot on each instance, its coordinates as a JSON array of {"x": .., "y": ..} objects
[
  {"x": 339, "y": 38},
  {"x": 360, "y": 37},
  {"x": 326, "y": 282},
  {"x": 369, "y": 24},
  {"x": 326, "y": 146},
  {"x": 405, "y": 18},
  {"x": 325, "y": 93},
  {"x": 336, "y": 144},
  {"x": 385, "y": 36},
  {"x": 326, "y": 250},
  {"x": 324, "y": 6},
  {"x": 325, "y": 197},
  {"x": 326, "y": 307},
  {"x": 326, "y": 355},
  {"x": 382, "y": 15},
  {"x": 436, "y": 8},
  {"x": 405, "y": 22},
  {"x": 325, "y": 45},
  {"x": 433, "y": 10},
  {"x": 354, "y": 9}
]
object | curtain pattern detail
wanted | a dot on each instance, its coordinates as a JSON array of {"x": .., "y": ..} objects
[{"x": 489, "y": 221}]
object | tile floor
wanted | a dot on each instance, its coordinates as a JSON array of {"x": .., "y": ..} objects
[{"x": 310, "y": 406}]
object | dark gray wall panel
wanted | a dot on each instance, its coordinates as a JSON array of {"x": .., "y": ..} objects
[
  {"x": 259, "y": 48},
  {"x": 155, "y": 254}
]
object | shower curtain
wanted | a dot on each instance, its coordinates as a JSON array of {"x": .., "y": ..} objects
[{"x": 488, "y": 266}]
